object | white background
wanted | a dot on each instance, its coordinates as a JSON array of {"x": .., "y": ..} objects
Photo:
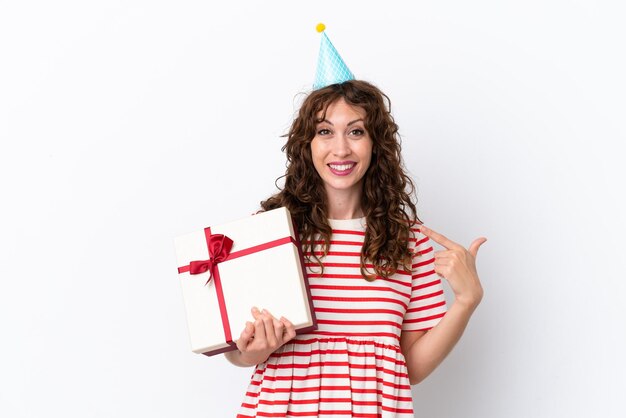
[{"x": 126, "y": 123}]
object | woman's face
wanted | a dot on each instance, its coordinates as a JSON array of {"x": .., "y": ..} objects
[{"x": 342, "y": 148}]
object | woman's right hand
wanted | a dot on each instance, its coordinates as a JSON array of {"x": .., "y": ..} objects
[{"x": 260, "y": 339}]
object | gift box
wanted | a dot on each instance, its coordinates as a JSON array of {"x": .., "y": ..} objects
[{"x": 226, "y": 269}]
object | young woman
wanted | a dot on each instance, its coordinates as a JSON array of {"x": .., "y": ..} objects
[{"x": 375, "y": 280}]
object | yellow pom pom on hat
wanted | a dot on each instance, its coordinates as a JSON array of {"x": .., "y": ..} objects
[{"x": 330, "y": 66}]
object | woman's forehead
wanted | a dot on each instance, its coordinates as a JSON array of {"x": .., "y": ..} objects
[{"x": 339, "y": 105}]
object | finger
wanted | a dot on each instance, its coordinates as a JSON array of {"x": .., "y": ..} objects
[
  {"x": 458, "y": 255},
  {"x": 439, "y": 272},
  {"x": 279, "y": 330},
  {"x": 245, "y": 337},
  {"x": 442, "y": 271},
  {"x": 439, "y": 238},
  {"x": 442, "y": 262},
  {"x": 278, "y": 326},
  {"x": 270, "y": 333},
  {"x": 259, "y": 332},
  {"x": 290, "y": 330},
  {"x": 256, "y": 313},
  {"x": 443, "y": 254},
  {"x": 473, "y": 249},
  {"x": 268, "y": 314}
]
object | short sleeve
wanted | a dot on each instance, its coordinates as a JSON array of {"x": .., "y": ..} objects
[{"x": 428, "y": 304}]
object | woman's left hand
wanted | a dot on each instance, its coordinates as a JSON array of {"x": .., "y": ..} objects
[{"x": 458, "y": 266}]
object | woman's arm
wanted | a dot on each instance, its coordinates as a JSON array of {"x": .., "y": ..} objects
[{"x": 425, "y": 350}]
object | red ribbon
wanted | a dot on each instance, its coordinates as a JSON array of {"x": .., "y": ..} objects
[{"x": 219, "y": 249}]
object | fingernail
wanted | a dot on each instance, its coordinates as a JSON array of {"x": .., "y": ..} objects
[{"x": 255, "y": 309}]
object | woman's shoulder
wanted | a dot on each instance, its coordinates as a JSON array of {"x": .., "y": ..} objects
[{"x": 417, "y": 240}]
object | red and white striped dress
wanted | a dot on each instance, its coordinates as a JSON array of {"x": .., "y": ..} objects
[{"x": 351, "y": 366}]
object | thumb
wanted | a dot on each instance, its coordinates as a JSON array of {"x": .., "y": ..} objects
[
  {"x": 473, "y": 249},
  {"x": 245, "y": 337}
]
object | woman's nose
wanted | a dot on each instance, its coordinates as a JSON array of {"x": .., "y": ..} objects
[{"x": 341, "y": 146}]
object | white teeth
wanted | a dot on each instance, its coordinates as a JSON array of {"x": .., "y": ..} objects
[{"x": 342, "y": 167}]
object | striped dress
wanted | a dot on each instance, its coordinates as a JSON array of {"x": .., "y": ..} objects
[{"x": 351, "y": 366}]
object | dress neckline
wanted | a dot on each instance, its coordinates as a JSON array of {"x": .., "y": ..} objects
[{"x": 356, "y": 223}]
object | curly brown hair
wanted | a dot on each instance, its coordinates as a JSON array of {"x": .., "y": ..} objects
[{"x": 387, "y": 190}]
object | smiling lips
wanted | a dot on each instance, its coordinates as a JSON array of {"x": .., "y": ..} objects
[{"x": 342, "y": 168}]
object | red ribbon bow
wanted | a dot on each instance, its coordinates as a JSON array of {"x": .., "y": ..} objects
[{"x": 219, "y": 249}]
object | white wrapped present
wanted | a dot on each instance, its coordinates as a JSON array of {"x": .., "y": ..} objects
[{"x": 264, "y": 268}]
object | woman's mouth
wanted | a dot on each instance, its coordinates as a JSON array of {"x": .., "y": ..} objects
[{"x": 342, "y": 169}]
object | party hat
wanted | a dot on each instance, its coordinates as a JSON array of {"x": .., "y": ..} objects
[{"x": 330, "y": 67}]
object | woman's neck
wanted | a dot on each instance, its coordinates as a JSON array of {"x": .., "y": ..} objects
[{"x": 343, "y": 205}]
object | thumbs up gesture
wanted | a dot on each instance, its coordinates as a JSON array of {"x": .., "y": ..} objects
[{"x": 458, "y": 266}]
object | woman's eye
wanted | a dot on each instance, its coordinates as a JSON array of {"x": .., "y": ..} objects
[
  {"x": 357, "y": 132},
  {"x": 323, "y": 132}
]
